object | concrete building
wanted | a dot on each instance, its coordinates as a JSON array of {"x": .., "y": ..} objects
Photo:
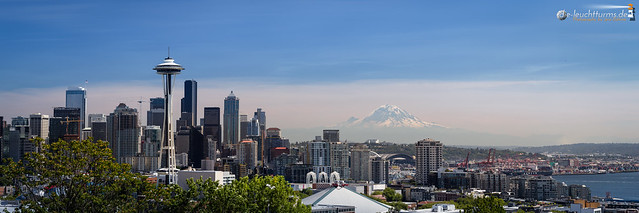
[
  {"x": 331, "y": 135},
  {"x": 155, "y": 115},
  {"x": 123, "y": 132},
  {"x": 428, "y": 158},
  {"x": 339, "y": 155},
  {"x": 152, "y": 141},
  {"x": 224, "y": 178},
  {"x": 319, "y": 156},
  {"x": 247, "y": 153},
  {"x": 39, "y": 126},
  {"x": 379, "y": 170},
  {"x": 19, "y": 143},
  {"x": 211, "y": 129},
  {"x": 64, "y": 124},
  {"x": 360, "y": 163}
]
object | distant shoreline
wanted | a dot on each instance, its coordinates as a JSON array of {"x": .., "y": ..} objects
[{"x": 567, "y": 174}]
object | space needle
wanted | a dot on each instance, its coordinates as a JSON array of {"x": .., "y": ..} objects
[{"x": 168, "y": 70}]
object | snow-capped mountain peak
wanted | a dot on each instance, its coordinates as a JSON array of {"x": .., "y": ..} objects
[{"x": 389, "y": 116}]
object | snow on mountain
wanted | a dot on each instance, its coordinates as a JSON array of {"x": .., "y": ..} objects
[{"x": 389, "y": 116}]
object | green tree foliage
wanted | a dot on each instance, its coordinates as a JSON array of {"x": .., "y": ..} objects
[
  {"x": 391, "y": 195},
  {"x": 479, "y": 205},
  {"x": 74, "y": 176},
  {"x": 82, "y": 176},
  {"x": 259, "y": 194}
]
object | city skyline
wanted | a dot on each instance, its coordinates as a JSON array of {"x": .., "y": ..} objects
[{"x": 516, "y": 71}]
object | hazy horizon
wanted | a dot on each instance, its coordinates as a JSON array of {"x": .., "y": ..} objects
[{"x": 500, "y": 73}]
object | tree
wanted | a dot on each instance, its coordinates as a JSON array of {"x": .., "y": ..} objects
[
  {"x": 391, "y": 195},
  {"x": 259, "y": 194},
  {"x": 487, "y": 204},
  {"x": 75, "y": 176},
  {"x": 82, "y": 176}
]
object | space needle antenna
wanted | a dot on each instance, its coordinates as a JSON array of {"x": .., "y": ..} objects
[{"x": 167, "y": 162}]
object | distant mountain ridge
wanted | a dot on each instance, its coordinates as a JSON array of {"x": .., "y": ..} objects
[
  {"x": 627, "y": 149},
  {"x": 388, "y": 116}
]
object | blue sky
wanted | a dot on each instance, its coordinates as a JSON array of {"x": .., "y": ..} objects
[
  {"x": 310, "y": 41},
  {"x": 284, "y": 44}
]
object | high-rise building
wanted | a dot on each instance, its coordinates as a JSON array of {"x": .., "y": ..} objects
[
  {"x": 253, "y": 128},
  {"x": 77, "y": 98},
  {"x": 19, "y": 143},
  {"x": 231, "y": 119},
  {"x": 64, "y": 124},
  {"x": 211, "y": 129},
  {"x": 379, "y": 170},
  {"x": 429, "y": 158},
  {"x": 244, "y": 125},
  {"x": 261, "y": 117},
  {"x": 331, "y": 135},
  {"x": 95, "y": 118},
  {"x": 123, "y": 132},
  {"x": 1, "y": 137},
  {"x": 39, "y": 126},
  {"x": 360, "y": 163},
  {"x": 189, "y": 102},
  {"x": 190, "y": 140},
  {"x": 155, "y": 115},
  {"x": 247, "y": 153},
  {"x": 152, "y": 141},
  {"x": 320, "y": 159},
  {"x": 338, "y": 152},
  {"x": 99, "y": 130}
]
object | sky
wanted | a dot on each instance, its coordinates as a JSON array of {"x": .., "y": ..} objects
[{"x": 503, "y": 67}]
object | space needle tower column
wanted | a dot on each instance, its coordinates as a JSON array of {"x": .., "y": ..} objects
[{"x": 168, "y": 70}]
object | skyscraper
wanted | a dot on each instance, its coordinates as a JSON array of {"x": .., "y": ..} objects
[
  {"x": 320, "y": 157},
  {"x": 123, "y": 132},
  {"x": 1, "y": 137},
  {"x": 261, "y": 117},
  {"x": 331, "y": 135},
  {"x": 361, "y": 163},
  {"x": 244, "y": 125},
  {"x": 189, "y": 102},
  {"x": 95, "y": 118},
  {"x": 64, "y": 123},
  {"x": 428, "y": 158},
  {"x": 77, "y": 98},
  {"x": 247, "y": 153},
  {"x": 19, "y": 143},
  {"x": 155, "y": 115},
  {"x": 338, "y": 152},
  {"x": 39, "y": 126},
  {"x": 231, "y": 119},
  {"x": 211, "y": 128}
]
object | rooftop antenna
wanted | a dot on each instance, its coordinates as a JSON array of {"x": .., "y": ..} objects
[{"x": 169, "y": 52}]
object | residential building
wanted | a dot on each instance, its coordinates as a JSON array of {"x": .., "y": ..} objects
[
  {"x": 428, "y": 158},
  {"x": 360, "y": 163},
  {"x": 339, "y": 159}
]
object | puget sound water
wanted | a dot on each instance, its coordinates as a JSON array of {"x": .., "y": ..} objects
[{"x": 620, "y": 185}]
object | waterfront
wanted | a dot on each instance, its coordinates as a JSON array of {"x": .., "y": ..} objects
[{"x": 620, "y": 185}]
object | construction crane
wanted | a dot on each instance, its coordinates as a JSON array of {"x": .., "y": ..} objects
[
  {"x": 68, "y": 136},
  {"x": 490, "y": 160},
  {"x": 464, "y": 164}
]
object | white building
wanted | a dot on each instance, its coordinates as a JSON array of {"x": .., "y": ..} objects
[{"x": 222, "y": 177}]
